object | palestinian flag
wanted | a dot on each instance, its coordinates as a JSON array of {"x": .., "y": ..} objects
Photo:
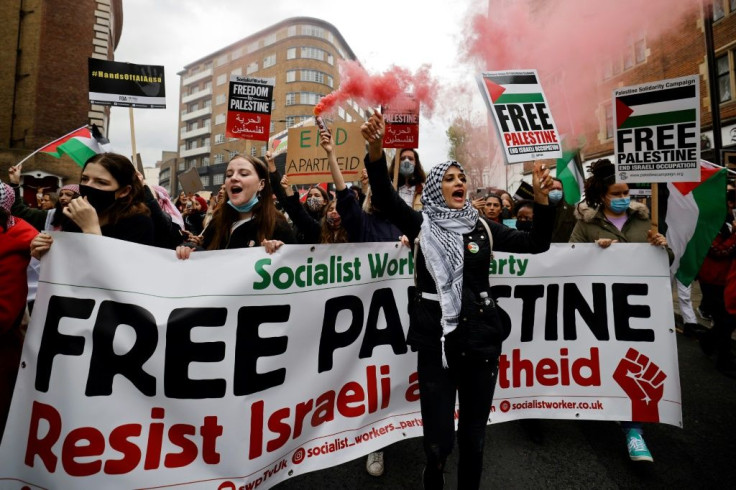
[
  {"x": 80, "y": 145},
  {"x": 695, "y": 214},
  {"x": 513, "y": 89},
  {"x": 669, "y": 106},
  {"x": 572, "y": 180}
]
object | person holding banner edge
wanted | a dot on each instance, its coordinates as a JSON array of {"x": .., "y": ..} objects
[
  {"x": 111, "y": 203},
  {"x": 607, "y": 216},
  {"x": 454, "y": 323}
]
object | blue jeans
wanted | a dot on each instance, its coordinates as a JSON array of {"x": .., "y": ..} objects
[{"x": 473, "y": 380}]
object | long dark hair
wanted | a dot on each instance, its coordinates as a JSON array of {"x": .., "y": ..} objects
[
  {"x": 327, "y": 234},
  {"x": 596, "y": 186},
  {"x": 125, "y": 174},
  {"x": 265, "y": 214},
  {"x": 417, "y": 177}
]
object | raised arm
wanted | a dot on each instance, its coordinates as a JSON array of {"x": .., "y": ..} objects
[{"x": 325, "y": 139}]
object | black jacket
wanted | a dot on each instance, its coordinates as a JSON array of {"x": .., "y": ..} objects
[{"x": 480, "y": 332}]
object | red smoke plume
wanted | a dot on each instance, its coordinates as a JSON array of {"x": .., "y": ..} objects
[
  {"x": 383, "y": 89},
  {"x": 568, "y": 42}
]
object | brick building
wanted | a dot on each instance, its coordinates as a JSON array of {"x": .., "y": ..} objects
[
  {"x": 301, "y": 53},
  {"x": 680, "y": 52},
  {"x": 44, "y": 48}
]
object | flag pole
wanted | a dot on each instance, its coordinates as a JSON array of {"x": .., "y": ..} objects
[
  {"x": 655, "y": 207},
  {"x": 18, "y": 165},
  {"x": 132, "y": 135}
]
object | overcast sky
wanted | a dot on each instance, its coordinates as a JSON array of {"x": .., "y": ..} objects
[{"x": 174, "y": 33}]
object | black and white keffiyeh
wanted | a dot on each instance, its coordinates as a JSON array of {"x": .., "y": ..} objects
[{"x": 442, "y": 244}]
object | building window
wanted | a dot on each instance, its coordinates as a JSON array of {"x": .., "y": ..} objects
[
  {"x": 330, "y": 60},
  {"x": 724, "y": 78},
  {"x": 291, "y": 98},
  {"x": 309, "y": 98},
  {"x": 269, "y": 61},
  {"x": 313, "y": 31},
  {"x": 341, "y": 112},
  {"x": 205, "y": 180},
  {"x": 182, "y": 166},
  {"x": 237, "y": 72},
  {"x": 272, "y": 128},
  {"x": 220, "y": 118},
  {"x": 291, "y": 31},
  {"x": 252, "y": 68},
  {"x": 640, "y": 51},
  {"x": 205, "y": 161},
  {"x": 312, "y": 76},
  {"x": 263, "y": 150},
  {"x": 219, "y": 138},
  {"x": 609, "y": 121},
  {"x": 237, "y": 53},
  {"x": 218, "y": 179},
  {"x": 291, "y": 76},
  {"x": 218, "y": 158},
  {"x": 220, "y": 99},
  {"x": 253, "y": 47},
  {"x": 269, "y": 40},
  {"x": 221, "y": 79},
  {"x": 253, "y": 150},
  {"x": 291, "y": 53},
  {"x": 293, "y": 120},
  {"x": 312, "y": 53},
  {"x": 330, "y": 81},
  {"x": 718, "y": 12},
  {"x": 191, "y": 163},
  {"x": 221, "y": 60}
]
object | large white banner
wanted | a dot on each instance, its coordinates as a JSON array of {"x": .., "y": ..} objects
[{"x": 236, "y": 368}]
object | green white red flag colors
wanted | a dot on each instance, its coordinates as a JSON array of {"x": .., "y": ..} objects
[
  {"x": 249, "y": 108},
  {"x": 519, "y": 107},
  {"x": 572, "y": 179},
  {"x": 81, "y": 144},
  {"x": 695, "y": 213},
  {"x": 657, "y": 131}
]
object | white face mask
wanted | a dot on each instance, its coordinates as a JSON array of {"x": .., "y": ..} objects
[{"x": 406, "y": 168}]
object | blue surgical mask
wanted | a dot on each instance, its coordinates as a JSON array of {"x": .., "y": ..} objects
[
  {"x": 620, "y": 204},
  {"x": 406, "y": 168},
  {"x": 244, "y": 208},
  {"x": 555, "y": 196}
]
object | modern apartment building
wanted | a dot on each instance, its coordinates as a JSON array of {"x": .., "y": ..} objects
[
  {"x": 300, "y": 53},
  {"x": 44, "y": 48}
]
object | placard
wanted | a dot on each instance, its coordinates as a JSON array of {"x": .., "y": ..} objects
[
  {"x": 521, "y": 113},
  {"x": 657, "y": 131},
  {"x": 249, "y": 106}
]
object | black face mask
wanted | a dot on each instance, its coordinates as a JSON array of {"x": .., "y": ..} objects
[
  {"x": 98, "y": 199},
  {"x": 524, "y": 225},
  {"x": 505, "y": 213}
]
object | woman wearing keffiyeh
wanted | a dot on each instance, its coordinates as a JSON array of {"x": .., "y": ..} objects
[{"x": 454, "y": 324}]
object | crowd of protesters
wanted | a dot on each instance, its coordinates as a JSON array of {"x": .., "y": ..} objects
[{"x": 452, "y": 237}]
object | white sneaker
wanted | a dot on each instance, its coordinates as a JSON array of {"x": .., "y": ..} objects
[{"x": 374, "y": 464}]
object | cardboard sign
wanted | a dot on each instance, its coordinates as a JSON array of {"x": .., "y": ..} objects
[
  {"x": 402, "y": 124},
  {"x": 190, "y": 181},
  {"x": 306, "y": 161},
  {"x": 657, "y": 131},
  {"x": 249, "y": 108},
  {"x": 521, "y": 113},
  {"x": 126, "y": 85}
]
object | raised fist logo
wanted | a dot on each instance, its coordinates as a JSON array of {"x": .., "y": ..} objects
[{"x": 643, "y": 382}]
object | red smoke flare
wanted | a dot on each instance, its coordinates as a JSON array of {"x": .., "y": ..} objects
[{"x": 383, "y": 89}]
